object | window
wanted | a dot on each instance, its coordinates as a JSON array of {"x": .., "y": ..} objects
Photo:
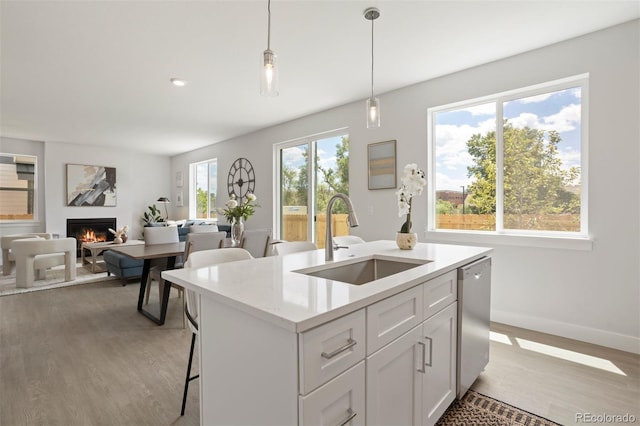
[
  {"x": 203, "y": 189},
  {"x": 305, "y": 187},
  {"x": 525, "y": 176},
  {"x": 17, "y": 187}
]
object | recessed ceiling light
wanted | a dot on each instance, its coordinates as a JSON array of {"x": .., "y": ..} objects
[{"x": 178, "y": 82}]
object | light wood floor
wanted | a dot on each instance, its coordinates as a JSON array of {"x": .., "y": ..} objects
[{"x": 83, "y": 355}]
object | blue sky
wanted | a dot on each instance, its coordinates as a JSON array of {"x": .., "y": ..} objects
[{"x": 553, "y": 111}]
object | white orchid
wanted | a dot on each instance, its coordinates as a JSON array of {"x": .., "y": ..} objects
[{"x": 413, "y": 183}]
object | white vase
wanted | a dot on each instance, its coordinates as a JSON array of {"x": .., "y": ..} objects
[
  {"x": 237, "y": 229},
  {"x": 406, "y": 241}
]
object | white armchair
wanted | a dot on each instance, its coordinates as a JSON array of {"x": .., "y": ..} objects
[
  {"x": 39, "y": 254},
  {"x": 8, "y": 259}
]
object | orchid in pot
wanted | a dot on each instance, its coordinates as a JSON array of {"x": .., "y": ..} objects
[
  {"x": 413, "y": 183},
  {"x": 236, "y": 213}
]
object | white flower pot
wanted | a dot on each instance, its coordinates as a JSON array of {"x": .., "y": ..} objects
[{"x": 406, "y": 241}]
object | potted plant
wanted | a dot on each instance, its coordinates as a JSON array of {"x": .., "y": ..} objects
[
  {"x": 152, "y": 217},
  {"x": 413, "y": 182}
]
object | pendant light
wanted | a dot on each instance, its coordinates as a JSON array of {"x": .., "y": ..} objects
[
  {"x": 269, "y": 68},
  {"x": 373, "y": 103}
]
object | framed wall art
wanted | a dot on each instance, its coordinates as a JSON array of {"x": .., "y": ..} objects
[
  {"x": 179, "y": 181},
  {"x": 91, "y": 185},
  {"x": 382, "y": 164}
]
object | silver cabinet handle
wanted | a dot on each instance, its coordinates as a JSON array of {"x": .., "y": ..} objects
[
  {"x": 351, "y": 415},
  {"x": 422, "y": 369},
  {"x": 428, "y": 364},
  {"x": 350, "y": 343}
]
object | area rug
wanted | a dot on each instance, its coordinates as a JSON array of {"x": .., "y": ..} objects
[
  {"x": 475, "y": 409},
  {"x": 54, "y": 279}
]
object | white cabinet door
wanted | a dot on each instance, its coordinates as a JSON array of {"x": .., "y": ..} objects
[
  {"x": 341, "y": 401},
  {"x": 394, "y": 384},
  {"x": 439, "y": 386}
]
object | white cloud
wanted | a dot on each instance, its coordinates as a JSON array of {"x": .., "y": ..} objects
[
  {"x": 564, "y": 121},
  {"x": 525, "y": 119},
  {"x": 293, "y": 157}
]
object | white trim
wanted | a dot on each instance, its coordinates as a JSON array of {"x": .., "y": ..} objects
[
  {"x": 492, "y": 239},
  {"x": 571, "y": 331}
]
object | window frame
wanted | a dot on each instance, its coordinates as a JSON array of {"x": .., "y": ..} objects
[
  {"x": 579, "y": 240},
  {"x": 35, "y": 204},
  {"x": 193, "y": 168}
]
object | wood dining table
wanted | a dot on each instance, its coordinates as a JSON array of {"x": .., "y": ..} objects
[{"x": 147, "y": 253}]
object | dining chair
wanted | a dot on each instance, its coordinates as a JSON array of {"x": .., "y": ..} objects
[
  {"x": 203, "y": 228},
  {"x": 160, "y": 235},
  {"x": 287, "y": 247},
  {"x": 345, "y": 240},
  {"x": 257, "y": 242},
  {"x": 193, "y": 242},
  {"x": 201, "y": 259}
]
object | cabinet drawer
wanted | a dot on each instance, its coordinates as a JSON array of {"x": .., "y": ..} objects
[
  {"x": 340, "y": 401},
  {"x": 439, "y": 292},
  {"x": 390, "y": 318},
  {"x": 330, "y": 349}
]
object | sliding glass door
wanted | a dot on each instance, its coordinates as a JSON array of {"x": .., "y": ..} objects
[{"x": 305, "y": 187}]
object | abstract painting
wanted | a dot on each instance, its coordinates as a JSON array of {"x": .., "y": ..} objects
[{"x": 91, "y": 185}]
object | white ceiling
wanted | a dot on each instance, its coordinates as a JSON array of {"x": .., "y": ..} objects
[{"x": 97, "y": 72}]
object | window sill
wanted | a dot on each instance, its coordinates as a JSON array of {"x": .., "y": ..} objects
[{"x": 552, "y": 242}]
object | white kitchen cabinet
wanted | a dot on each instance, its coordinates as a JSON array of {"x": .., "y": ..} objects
[
  {"x": 341, "y": 401},
  {"x": 330, "y": 349},
  {"x": 439, "y": 381},
  {"x": 394, "y": 385},
  {"x": 278, "y": 347}
]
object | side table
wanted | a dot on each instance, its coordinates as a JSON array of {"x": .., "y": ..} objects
[{"x": 95, "y": 249}]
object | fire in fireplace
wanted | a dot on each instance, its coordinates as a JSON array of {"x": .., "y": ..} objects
[{"x": 90, "y": 230}]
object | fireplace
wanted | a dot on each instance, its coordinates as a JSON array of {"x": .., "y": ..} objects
[{"x": 90, "y": 230}]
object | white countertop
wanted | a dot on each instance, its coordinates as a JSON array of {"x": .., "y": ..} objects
[{"x": 269, "y": 289}]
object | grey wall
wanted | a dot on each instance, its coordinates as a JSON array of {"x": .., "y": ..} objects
[{"x": 591, "y": 295}]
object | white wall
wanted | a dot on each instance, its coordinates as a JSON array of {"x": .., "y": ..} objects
[
  {"x": 588, "y": 295},
  {"x": 140, "y": 180}
]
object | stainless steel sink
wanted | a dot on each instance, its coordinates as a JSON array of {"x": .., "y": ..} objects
[{"x": 364, "y": 270}]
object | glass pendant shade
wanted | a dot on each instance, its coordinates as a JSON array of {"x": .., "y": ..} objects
[
  {"x": 269, "y": 73},
  {"x": 373, "y": 112}
]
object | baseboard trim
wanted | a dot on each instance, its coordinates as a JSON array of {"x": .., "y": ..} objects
[{"x": 570, "y": 331}]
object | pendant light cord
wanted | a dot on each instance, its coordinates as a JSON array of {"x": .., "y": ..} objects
[
  {"x": 372, "y": 58},
  {"x": 269, "y": 25}
]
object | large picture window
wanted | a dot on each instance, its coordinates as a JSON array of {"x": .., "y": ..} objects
[
  {"x": 17, "y": 187},
  {"x": 512, "y": 163},
  {"x": 203, "y": 189}
]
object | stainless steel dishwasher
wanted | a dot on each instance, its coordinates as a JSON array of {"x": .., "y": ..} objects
[{"x": 474, "y": 306}]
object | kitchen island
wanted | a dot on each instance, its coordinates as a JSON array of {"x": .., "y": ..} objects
[{"x": 279, "y": 345}]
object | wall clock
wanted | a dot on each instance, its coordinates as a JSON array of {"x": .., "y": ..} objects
[{"x": 241, "y": 179}]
